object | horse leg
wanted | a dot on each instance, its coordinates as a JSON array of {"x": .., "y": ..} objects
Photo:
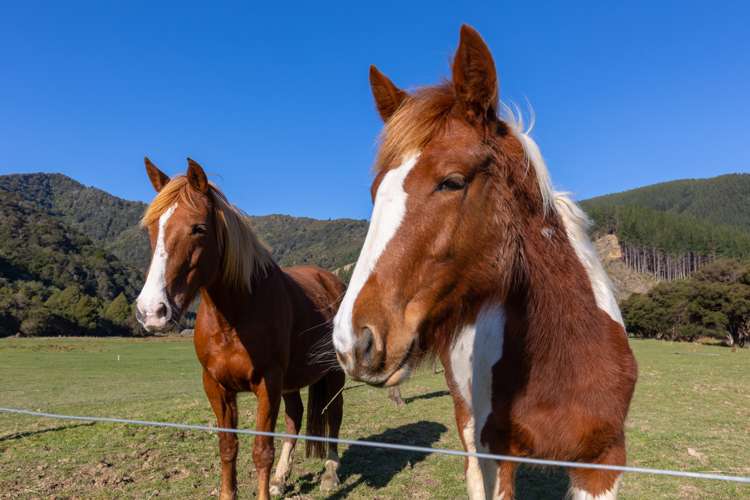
[
  {"x": 594, "y": 484},
  {"x": 394, "y": 394},
  {"x": 293, "y": 409},
  {"x": 335, "y": 380},
  {"x": 224, "y": 404},
  {"x": 268, "y": 392},
  {"x": 506, "y": 479}
]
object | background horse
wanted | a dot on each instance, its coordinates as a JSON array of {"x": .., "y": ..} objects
[
  {"x": 472, "y": 256},
  {"x": 259, "y": 328}
]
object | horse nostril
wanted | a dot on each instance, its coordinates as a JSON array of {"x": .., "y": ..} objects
[
  {"x": 161, "y": 310},
  {"x": 364, "y": 345}
]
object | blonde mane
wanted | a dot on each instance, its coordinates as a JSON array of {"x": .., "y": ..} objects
[
  {"x": 243, "y": 254},
  {"x": 424, "y": 113}
]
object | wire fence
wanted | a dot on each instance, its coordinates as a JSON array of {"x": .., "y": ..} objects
[{"x": 389, "y": 446}]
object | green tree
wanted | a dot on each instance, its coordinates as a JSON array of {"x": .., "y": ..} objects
[{"x": 118, "y": 311}]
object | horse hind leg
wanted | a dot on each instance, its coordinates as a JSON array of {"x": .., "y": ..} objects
[
  {"x": 596, "y": 484},
  {"x": 293, "y": 409},
  {"x": 335, "y": 381}
]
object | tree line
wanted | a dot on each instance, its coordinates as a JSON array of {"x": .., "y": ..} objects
[
  {"x": 667, "y": 245},
  {"x": 714, "y": 302}
]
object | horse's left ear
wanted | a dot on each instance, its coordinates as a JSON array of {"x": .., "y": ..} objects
[
  {"x": 387, "y": 96},
  {"x": 474, "y": 75},
  {"x": 158, "y": 178},
  {"x": 196, "y": 176}
]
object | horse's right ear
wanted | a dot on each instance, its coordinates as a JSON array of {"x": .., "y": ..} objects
[
  {"x": 387, "y": 96},
  {"x": 158, "y": 178}
]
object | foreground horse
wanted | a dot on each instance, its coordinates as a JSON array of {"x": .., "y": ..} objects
[
  {"x": 259, "y": 328},
  {"x": 472, "y": 256}
]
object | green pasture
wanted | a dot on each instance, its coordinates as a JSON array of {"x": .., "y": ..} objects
[{"x": 691, "y": 412}]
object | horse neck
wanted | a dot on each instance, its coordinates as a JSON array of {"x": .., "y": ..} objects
[
  {"x": 554, "y": 309},
  {"x": 228, "y": 302}
]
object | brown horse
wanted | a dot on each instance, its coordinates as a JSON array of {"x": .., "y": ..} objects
[
  {"x": 472, "y": 256},
  {"x": 259, "y": 328}
]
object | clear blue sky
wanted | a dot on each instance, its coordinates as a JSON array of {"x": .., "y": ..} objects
[{"x": 273, "y": 99}]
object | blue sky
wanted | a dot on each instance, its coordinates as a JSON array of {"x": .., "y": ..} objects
[{"x": 273, "y": 99}]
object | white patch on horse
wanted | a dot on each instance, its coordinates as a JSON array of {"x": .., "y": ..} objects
[
  {"x": 579, "y": 494},
  {"x": 576, "y": 226},
  {"x": 477, "y": 349},
  {"x": 575, "y": 220},
  {"x": 154, "y": 291},
  {"x": 387, "y": 214},
  {"x": 282, "y": 469}
]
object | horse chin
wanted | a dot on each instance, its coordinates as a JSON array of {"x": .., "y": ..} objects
[
  {"x": 397, "y": 377},
  {"x": 403, "y": 369}
]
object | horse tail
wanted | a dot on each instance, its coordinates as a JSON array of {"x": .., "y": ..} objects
[
  {"x": 316, "y": 418},
  {"x": 324, "y": 406}
]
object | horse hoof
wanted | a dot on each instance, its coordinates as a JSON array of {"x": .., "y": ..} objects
[
  {"x": 276, "y": 490},
  {"x": 328, "y": 483}
]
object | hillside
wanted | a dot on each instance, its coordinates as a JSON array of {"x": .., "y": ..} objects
[
  {"x": 301, "y": 240},
  {"x": 55, "y": 280},
  {"x": 95, "y": 213},
  {"x": 72, "y": 258},
  {"x": 672, "y": 229},
  {"x": 721, "y": 200},
  {"x": 626, "y": 281},
  {"x": 113, "y": 223}
]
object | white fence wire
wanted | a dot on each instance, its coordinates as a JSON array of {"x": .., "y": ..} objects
[{"x": 390, "y": 446}]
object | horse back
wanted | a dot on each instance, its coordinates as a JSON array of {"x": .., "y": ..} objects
[
  {"x": 315, "y": 295},
  {"x": 321, "y": 288}
]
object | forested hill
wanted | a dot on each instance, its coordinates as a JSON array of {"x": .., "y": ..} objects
[
  {"x": 721, "y": 200},
  {"x": 112, "y": 223},
  {"x": 674, "y": 228},
  {"x": 72, "y": 258}
]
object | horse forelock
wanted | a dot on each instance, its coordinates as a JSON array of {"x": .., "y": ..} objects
[{"x": 243, "y": 253}]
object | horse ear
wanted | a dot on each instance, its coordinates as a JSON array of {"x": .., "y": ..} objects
[
  {"x": 196, "y": 176},
  {"x": 158, "y": 178},
  {"x": 474, "y": 75},
  {"x": 387, "y": 96}
]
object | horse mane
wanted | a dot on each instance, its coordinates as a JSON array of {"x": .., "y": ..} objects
[
  {"x": 424, "y": 113},
  {"x": 243, "y": 254}
]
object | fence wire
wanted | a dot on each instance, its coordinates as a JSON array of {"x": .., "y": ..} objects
[{"x": 389, "y": 446}]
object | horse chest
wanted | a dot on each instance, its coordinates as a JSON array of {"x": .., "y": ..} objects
[{"x": 227, "y": 362}]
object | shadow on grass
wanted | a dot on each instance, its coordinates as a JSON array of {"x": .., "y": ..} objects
[
  {"x": 541, "y": 483},
  {"x": 376, "y": 467},
  {"x": 21, "y": 435},
  {"x": 428, "y": 395}
]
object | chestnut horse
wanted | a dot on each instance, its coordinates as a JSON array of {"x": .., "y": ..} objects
[
  {"x": 259, "y": 328},
  {"x": 473, "y": 257}
]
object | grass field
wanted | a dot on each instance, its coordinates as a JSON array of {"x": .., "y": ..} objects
[{"x": 691, "y": 412}]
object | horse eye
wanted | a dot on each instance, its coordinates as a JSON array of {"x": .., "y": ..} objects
[
  {"x": 198, "y": 229},
  {"x": 454, "y": 182}
]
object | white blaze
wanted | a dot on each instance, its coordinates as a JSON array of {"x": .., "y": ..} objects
[
  {"x": 477, "y": 349},
  {"x": 387, "y": 214},
  {"x": 154, "y": 291}
]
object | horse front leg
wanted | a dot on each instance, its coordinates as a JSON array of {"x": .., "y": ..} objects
[
  {"x": 224, "y": 405},
  {"x": 268, "y": 392},
  {"x": 482, "y": 476}
]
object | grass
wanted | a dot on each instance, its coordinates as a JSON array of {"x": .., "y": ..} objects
[{"x": 691, "y": 412}]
